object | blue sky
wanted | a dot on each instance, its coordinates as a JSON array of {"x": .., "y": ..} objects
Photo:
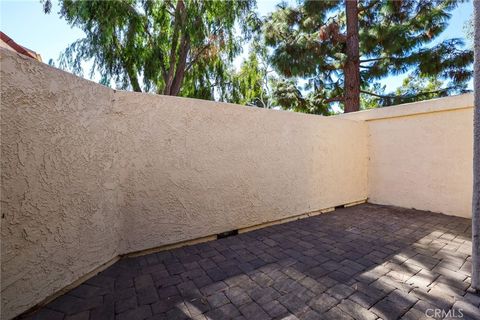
[{"x": 25, "y": 22}]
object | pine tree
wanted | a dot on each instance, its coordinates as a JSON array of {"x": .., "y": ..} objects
[{"x": 342, "y": 48}]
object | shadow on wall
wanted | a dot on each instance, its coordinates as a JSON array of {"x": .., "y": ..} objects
[{"x": 362, "y": 262}]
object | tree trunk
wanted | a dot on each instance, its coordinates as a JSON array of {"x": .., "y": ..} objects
[
  {"x": 181, "y": 65},
  {"x": 132, "y": 75},
  {"x": 179, "y": 17},
  {"x": 476, "y": 156},
  {"x": 352, "y": 66}
]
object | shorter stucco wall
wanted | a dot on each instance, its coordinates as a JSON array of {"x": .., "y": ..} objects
[
  {"x": 197, "y": 168},
  {"x": 89, "y": 173},
  {"x": 421, "y": 154}
]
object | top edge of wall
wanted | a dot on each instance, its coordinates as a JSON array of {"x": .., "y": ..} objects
[
  {"x": 462, "y": 101},
  {"x": 4, "y": 52},
  {"x": 159, "y": 98}
]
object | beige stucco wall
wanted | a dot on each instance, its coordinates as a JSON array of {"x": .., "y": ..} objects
[
  {"x": 421, "y": 154},
  {"x": 59, "y": 206},
  {"x": 197, "y": 168},
  {"x": 89, "y": 173}
]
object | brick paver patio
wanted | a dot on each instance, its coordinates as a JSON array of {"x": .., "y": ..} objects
[{"x": 362, "y": 262}]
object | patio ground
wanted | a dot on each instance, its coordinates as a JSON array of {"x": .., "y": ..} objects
[{"x": 362, "y": 262}]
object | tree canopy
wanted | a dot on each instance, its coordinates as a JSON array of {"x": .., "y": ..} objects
[
  {"x": 412, "y": 89},
  {"x": 310, "y": 42},
  {"x": 171, "y": 47},
  {"x": 308, "y": 57}
]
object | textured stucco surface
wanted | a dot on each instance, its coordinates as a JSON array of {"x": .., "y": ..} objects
[
  {"x": 60, "y": 218},
  {"x": 89, "y": 173},
  {"x": 421, "y": 155},
  {"x": 197, "y": 168}
]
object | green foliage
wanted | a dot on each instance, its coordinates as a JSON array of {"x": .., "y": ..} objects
[
  {"x": 170, "y": 47},
  {"x": 412, "y": 89},
  {"x": 420, "y": 88},
  {"x": 248, "y": 83},
  {"x": 368, "y": 101},
  {"x": 289, "y": 97},
  {"x": 309, "y": 42},
  {"x": 251, "y": 84}
]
